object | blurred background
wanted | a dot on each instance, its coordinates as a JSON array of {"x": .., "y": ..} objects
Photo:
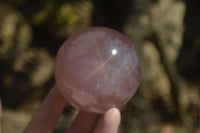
[{"x": 166, "y": 34}]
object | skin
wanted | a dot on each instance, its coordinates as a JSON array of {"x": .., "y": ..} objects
[{"x": 47, "y": 114}]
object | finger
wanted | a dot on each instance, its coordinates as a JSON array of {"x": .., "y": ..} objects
[
  {"x": 83, "y": 123},
  {"x": 47, "y": 114},
  {"x": 109, "y": 122}
]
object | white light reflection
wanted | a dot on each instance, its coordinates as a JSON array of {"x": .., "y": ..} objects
[{"x": 114, "y": 52}]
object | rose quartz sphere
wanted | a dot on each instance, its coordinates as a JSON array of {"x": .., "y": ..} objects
[{"x": 97, "y": 69}]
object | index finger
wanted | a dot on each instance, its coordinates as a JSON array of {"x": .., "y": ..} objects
[{"x": 47, "y": 114}]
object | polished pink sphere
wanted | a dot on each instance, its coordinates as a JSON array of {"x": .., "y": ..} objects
[{"x": 97, "y": 69}]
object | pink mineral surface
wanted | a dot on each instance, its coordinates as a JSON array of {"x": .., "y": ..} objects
[{"x": 97, "y": 69}]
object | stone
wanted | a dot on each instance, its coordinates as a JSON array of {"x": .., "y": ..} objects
[{"x": 97, "y": 69}]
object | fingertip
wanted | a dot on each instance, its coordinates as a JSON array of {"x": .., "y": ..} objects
[
  {"x": 108, "y": 122},
  {"x": 112, "y": 115}
]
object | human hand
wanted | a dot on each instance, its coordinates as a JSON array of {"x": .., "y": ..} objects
[{"x": 47, "y": 114}]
